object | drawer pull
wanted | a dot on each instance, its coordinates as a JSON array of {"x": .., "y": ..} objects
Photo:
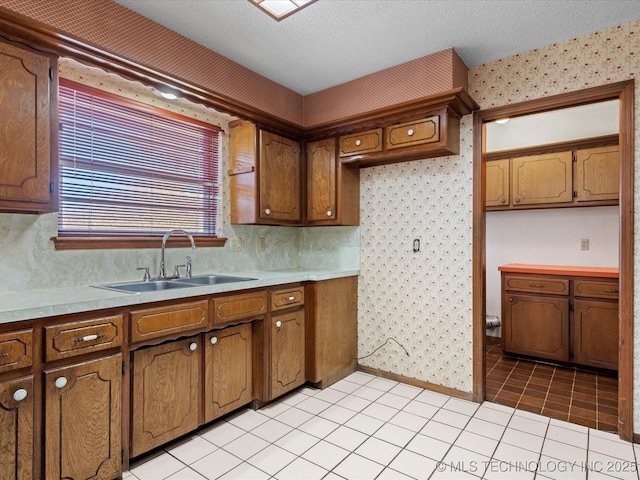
[
  {"x": 410, "y": 132},
  {"x": 536, "y": 285},
  {"x": 193, "y": 346},
  {"x": 60, "y": 382},
  {"x": 214, "y": 340},
  {"x": 291, "y": 298},
  {"x": 89, "y": 338},
  {"x": 611, "y": 290},
  {"x": 278, "y": 324},
  {"x": 19, "y": 394},
  {"x": 358, "y": 143},
  {"x": 4, "y": 354}
]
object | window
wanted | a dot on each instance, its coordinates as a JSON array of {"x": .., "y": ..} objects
[{"x": 128, "y": 169}]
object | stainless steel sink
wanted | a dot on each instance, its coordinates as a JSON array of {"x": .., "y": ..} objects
[
  {"x": 212, "y": 279},
  {"x": 159, "y": 285}
]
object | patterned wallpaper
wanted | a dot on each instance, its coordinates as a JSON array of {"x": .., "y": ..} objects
[{"x": 423, "y": 300}]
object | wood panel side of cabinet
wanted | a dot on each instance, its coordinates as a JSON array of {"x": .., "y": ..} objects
[
  {"x": 243, "y": 164},
  {"x": 279, "y": 179},
  {"x": 83, "y": 417},
  {"x": 331, "y": 330},
  {"x": 537, "y": 326},
  {"x": 595, "y": 333},
  {"x": 287, "y": 352},
  {"x": 228, "y": 370},
  {"x": 541, "y": 179},
  {"x": 17, "y": 429},
  {"x": 165, "y": 393}
]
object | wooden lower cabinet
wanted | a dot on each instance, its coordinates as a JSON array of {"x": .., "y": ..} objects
[
  {"x": 165, "y": 393},
  {"x": 16, "y": 432},
  {"x": 227, "y": 370},
  {"x": 537, "y": 326},
  {"x": 595, "y": 333},
  {"x": 287, "y": 352},
  {"x": 331, "y": 330},
  {"x": 83, "y": 420}
]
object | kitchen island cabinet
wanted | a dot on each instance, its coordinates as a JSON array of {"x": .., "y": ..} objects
[{"x": 564, "y": 314}]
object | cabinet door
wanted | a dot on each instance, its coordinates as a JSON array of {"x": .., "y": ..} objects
[
  {"x": 227, "y": 370},
  {"x": 541, "y": 179},
  {"x": 287, "y": 352},
  {"x": 598, "y": 174},
  {"x": 595, "y": 333},
  {"x": 164, "y": 393},
  {"x": 26, "y": 129},
  {"x": 321, "y": 180},
  {"x": 279, "y": 179},
  {"x": 497, "y": 190},
  {"x": 536, "y": 326},
  {"x": 16, "y": 437},
  {"x": 83, "y": 420}
]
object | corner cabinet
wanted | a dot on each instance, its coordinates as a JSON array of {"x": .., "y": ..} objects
[
  {"x": 265, "y": 177},
  {"x": 28, "y": 130},
  {"x": 333, "y": 189},
  {"x": 568, "y": 318}
]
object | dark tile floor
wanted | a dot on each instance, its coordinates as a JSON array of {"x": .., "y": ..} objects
[{"x": 572, "y": 395}]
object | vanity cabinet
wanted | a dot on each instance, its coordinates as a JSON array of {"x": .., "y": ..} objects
[
  {"x": 331, "y": 330},
  {"x": 561, "y": 317},
  {"x": 165, "y": 393},
  {"x": 228, "y": 373},
  {"x": 83, "y": 419},
  {"x": 333, "y": 189},
  {"x": 265, "y": 177},
  {"x": 17, "y": 420},
  {"x": 572, "y": 178},
  {"x": 28, "y": 129}
]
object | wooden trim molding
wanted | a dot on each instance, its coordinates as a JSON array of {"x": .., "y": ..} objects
[
  {"x": 102, "y": 243},
  {"x": 624, "y": 92}
]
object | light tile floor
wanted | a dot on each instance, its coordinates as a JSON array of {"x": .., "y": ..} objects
[{"x": 366, "y": 427}]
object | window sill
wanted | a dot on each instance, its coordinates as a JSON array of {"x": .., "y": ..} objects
[{"x": 109, "y": 243}]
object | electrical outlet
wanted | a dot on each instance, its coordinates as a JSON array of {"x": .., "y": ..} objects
[
  {"x": 236, "y": 244},
  {"x": 584, "y": 244},
  {"x": 262, "y": 243}
]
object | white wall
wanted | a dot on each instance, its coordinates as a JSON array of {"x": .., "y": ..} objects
[{"x": 549, "y": 236}]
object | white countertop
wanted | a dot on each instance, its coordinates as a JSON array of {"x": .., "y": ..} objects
[{"x": 32, "y": 304}]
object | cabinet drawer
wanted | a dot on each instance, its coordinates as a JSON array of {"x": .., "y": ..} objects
[
  {"x": 363, "y": 142},
  {"x": 595, "y": 288},
  {"x": 555, "y": 286},
  {"x": 76, "y": 338},
  {"x": 287, "y": 298},
  {"x": 156, "y": 322},
  {"x": 16, "y": 350},
  {"x": 239, "y": 307},
  {"x": 418, "y": 132}
]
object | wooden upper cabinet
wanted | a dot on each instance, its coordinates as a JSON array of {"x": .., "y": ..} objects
[
  {"x": 540, "y": 179},
  {"x": 321, "y": 180},
  {"x": 28, "y": 130},
  {"x": 418, "y": 132},
  {"x": 598, "y": 174},
  {"x": 497, "y": 189},
  {"x": 265, "y": 177},
  {"x": 362, "y": 142}
]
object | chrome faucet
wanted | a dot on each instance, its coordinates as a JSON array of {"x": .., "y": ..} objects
[{"x": 163, "y": 273}]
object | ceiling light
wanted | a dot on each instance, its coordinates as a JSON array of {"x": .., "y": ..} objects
[
  {"x": 279, "y": 9},
  {"x": 502, "y": 120}
]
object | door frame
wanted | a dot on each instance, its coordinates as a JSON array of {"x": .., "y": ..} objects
[{"x": 624, "y": 92}]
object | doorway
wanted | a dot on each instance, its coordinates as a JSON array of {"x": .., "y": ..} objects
[{"x": 623, "y": 92}]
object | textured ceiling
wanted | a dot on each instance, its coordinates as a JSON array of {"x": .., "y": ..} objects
[{"x": 334, "y": 41}]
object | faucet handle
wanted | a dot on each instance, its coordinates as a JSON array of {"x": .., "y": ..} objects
[
  {"x": 188, "y": 274},
  {"x": 176, "y": 271},
  {"x": 146, "y": 277}
]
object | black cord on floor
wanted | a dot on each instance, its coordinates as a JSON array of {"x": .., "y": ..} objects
[{"x": 386, "y": 341}]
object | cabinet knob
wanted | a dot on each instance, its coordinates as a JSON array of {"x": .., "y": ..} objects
[
  {"x": 358, "y": 143},
  {"x": 278, "y": 324},
  {"x": 329, "y": 213},
  {"x": 511, "y": 299},
  {"x": 267, "y": 211},
  {"x": 214, "y": 340},
  {"x": 19, "y": 394},
  {"x": 503, "y": 201},
  {"x": 193, "y": 346},
  {"x": 518, "y": 200},
  {"x": 60, "y": 382},
  {"x": 410, "y": 132}
]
